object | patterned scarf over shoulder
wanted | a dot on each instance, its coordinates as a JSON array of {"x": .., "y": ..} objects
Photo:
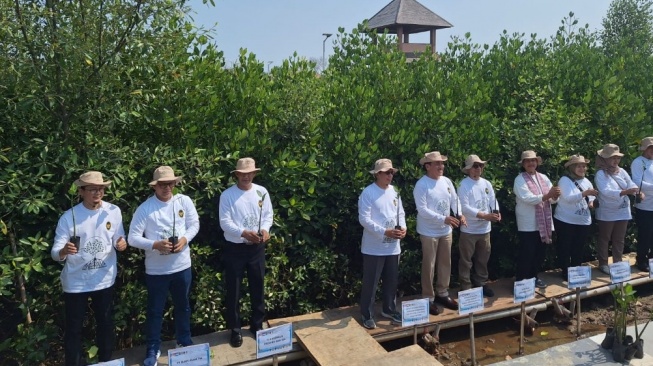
[{"x": 543, "y": 209}]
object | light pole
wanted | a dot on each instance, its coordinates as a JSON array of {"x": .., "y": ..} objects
[
  {"x": 269, "y": 63},
  {"x": 326, "y": 36}
]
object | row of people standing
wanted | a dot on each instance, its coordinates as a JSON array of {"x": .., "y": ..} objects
[
  {"x": 89, "y": 235},
  {"x": 474, "y": 207}
]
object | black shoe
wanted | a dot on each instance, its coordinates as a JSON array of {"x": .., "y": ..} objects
[
  {"x": 434, "y": 309},
  {"x": 487, "y": 291},
  {"x": 447, "y": 302},
  {"x": 236, "y": 339},
  {"x": 643, "y": 266}
]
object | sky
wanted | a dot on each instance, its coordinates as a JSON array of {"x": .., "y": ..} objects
[{"x": 274, "y": 29}]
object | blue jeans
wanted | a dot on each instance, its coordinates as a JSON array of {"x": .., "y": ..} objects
[{"x": 158, "y": 286}]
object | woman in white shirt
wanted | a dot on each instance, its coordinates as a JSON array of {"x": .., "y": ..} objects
[
  {"x": 572, "y": 215},
  {"x": 612, "y": 215}
]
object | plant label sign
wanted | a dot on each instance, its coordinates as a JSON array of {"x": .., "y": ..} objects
[
  {"x": 620, "y": 272},
  {"x": 414, "y": 312},
  {"x": 118, "y": 362},
  {"x": 650, "y": 268},
  {"x": 578, "y": 277},
  {"x": 524, "y": 290},
  {"x": 274, "y": 340},
  {"x": 470, "y": 301},
  {"x": 195, "y": 355}
]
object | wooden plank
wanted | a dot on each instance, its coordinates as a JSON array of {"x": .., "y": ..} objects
[
  {"x": 340, "y": 342},
  {"x": 408, "y": 356}
]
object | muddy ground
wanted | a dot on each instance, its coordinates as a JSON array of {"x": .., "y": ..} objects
[{"x": 498, "y": 340}]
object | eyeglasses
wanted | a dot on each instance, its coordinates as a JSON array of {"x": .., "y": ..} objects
[
  {"x": 388, "y": 172},
  {"x": 477, "y": 165},
  {"x": 94, "y": 190},
  {"x": 166, "y": 184}
]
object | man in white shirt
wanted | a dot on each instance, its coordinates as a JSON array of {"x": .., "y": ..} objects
[
  {"x": 163, "y": 227},
  {"x": 479, "y": 204},
  {"x": 85, "y": 242},
  {"x": 382, "y": 216},
  {"x": 435, "y": 199},
  {"x": 245, "y": 213}
]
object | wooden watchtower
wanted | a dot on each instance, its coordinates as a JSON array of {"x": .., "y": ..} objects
[{"x": 405, "y": 17}]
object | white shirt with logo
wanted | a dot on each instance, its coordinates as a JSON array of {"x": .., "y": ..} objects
[
  {"x": 239, "y": 210},
  {"x": 378, "y": 210},
  {"x": 435, "y": 199}
]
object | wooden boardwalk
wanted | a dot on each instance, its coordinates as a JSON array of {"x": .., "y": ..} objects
[{"x": 331, "y": 336}]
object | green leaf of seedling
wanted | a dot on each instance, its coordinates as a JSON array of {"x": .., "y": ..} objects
[{"x": 92, "y": 352}]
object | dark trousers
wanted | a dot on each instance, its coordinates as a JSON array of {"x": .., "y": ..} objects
[
  {"x": 385, "y": 268},
  {"x": 644, "y": 221},
  {"x": 570, "y": 242},
  {"x": 238, "y": 258},
  {"x": 158, "y": 287},
  {"x": 75, "y": 308},
  {"x": 531, "y": 255}
]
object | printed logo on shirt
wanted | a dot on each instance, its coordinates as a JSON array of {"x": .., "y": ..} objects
[
  {"x": 250, "y": 222},
  {"x": 388, "y": 224},
  {"x": 108, "y": 225},
  {"x": 481, "y": 205},
  {"x": 582, "y": 209},
  {"x": 94, "y": 246},
  {"x": 181, "y": 213},
  {"x": 625, "y": 203}
]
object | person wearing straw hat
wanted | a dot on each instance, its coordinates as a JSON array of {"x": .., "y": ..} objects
[
  {"x": 435, "y": 198},
  {"x": 381, "y": 213},
  {"x": 246, "y": 216},
  {"x": 534, "y": 195},
  {"x": 163, "y": 219},
  {"x": 612, "y": 216},
  {"x": 480, "y": 205},
  {"x": 642, "y": 175},
  {"x": 86, "y": 240},
  {"x": 572, "y": 217}
]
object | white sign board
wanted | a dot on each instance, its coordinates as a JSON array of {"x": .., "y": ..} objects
[
  {"x": 470, "y": 301},
  {"x": 414, "y": 312},
  {"x": 650, "y": 268},
  {"x": 119, "y": 362},
  {"x": 195, "y": 355},
  {"x": 524, "y": 290},
  {"x": 274, "y": 340},
  {"x": 578, "y": 277},
  {"x": 620, "y": 272}
]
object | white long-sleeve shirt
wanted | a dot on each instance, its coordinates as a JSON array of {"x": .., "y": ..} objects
[
  {"x": 572, "y": 207},
  {"x": 526, "y": 202},
  {"x": 239, "y": 211},
  {"x": 94, "y": 266},
  {"x": 435, "y": 199},
  {"x": 153, "y": 221},
  {"x": 642, "y": 174},
  {"x": 476, "y": 196},
  {"x": 378, "y": 210},
  {"x": 613, "y": 206}
]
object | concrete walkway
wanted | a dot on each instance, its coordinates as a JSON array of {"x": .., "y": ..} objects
[{"x": 585, "y": 352}]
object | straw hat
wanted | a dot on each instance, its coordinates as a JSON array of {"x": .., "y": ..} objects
[
  {"x": 91, "y": 178},
  {"x": 431, "y": 157},
  {"x": 164, "y": 174},
  {"x": 608, "y": 151},
  {"x": 646, "y": 142},
  {"x": 576, "y": 159},
  {"x": 246, "y": 165},
  {"x": 383, "y": 165},
  {"x": 530, "y": 154},
  {"x": 469, "y": 162}
]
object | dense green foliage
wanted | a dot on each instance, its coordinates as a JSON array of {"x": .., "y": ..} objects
[{"x": 140, "y": 88}]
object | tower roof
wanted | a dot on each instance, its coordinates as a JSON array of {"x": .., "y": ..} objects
[{"x": 410, "y": 14}]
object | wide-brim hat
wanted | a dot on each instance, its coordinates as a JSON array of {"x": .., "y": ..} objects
[
  {"x": 608, "y": 151},
  {"x": 164, "y": 174},
  {"x": 431, "y": 157},
  {"x": 91, "y": 178},
  {"x": 530, "y": 154},
  {"x": 383, "y": 165},
  {"x": 469, "y": 162},
  {"x": 576, "y": 159},
  {"x": 646, "y": 142},
  {"x": 246, "y": 165}
]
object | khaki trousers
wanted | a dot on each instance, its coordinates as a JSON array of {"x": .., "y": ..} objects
[
  {"x": 474, "y": 249},
  {"x": 611, "y": 231},
  {"x": 436, "y": 253}
]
